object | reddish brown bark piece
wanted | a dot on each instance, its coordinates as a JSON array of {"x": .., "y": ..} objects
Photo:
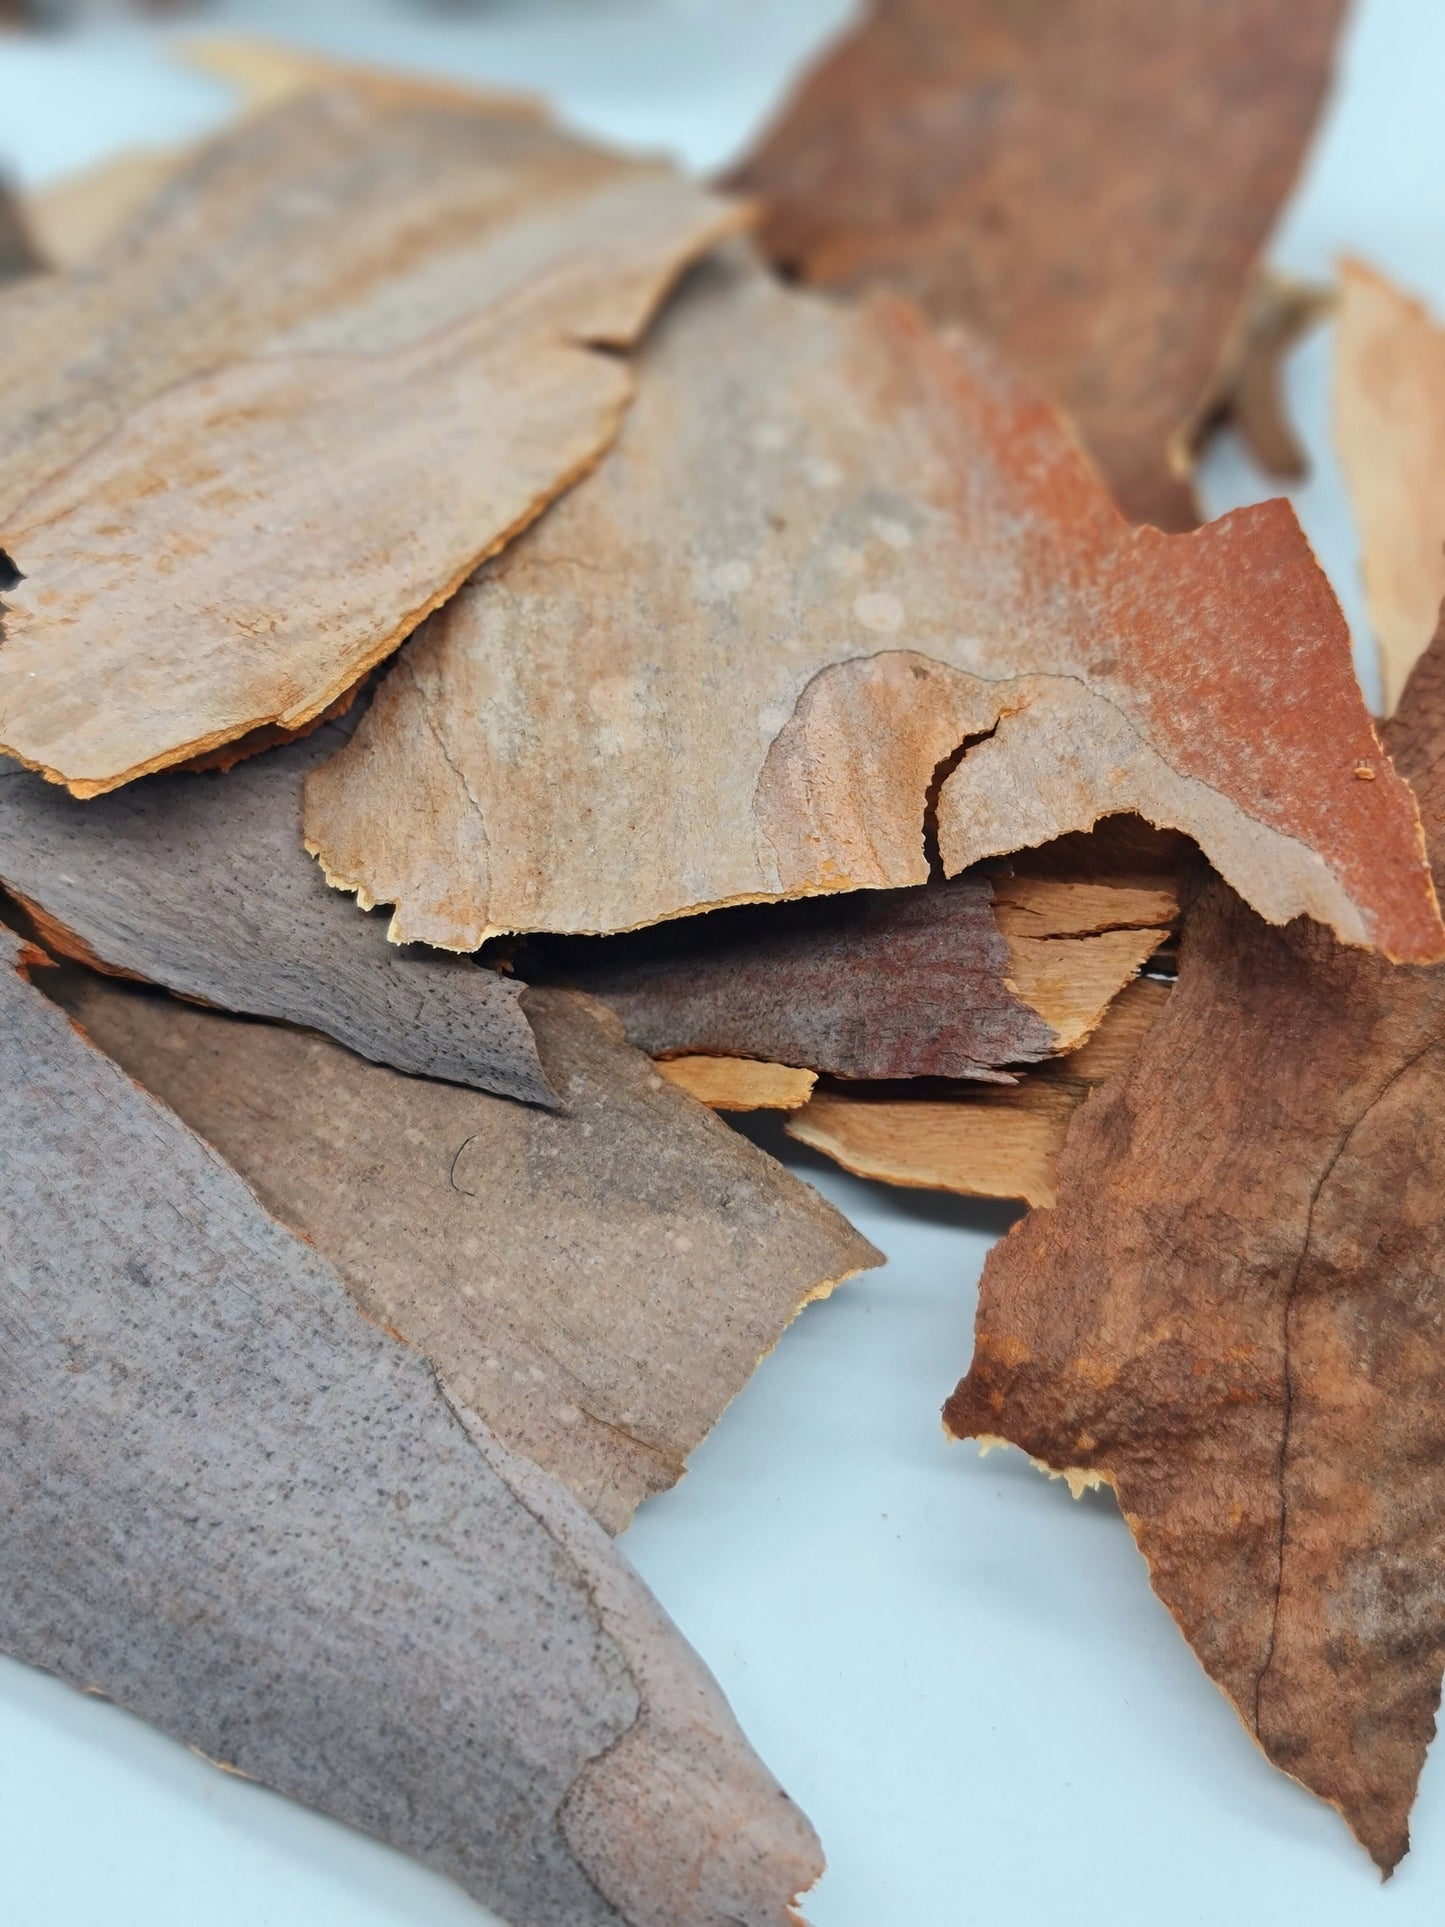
[
  {"x": 237, "y": 1507},
  {"x": 1089, "y": 182},
  {"x": 227, "y": 492},
  {"x": 596, "y": 1286},
  {"x": 837, "y": 566},
  {"x": 905, "y": 983},
  {"x": 1234, "y": 1316}
]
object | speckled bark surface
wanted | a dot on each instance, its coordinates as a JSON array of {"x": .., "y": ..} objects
[{"x": 234, "y": 1505}]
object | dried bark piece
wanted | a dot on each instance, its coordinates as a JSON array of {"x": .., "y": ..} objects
[
  {"x": 836, "y": 566},
  {"x": 229, "y": 1502},
  {"x": 18, "y": 253},
  {"x": 739, "y": 1083},
  {"x": 1390, "y": 432},
  {"x": 201, "y": 884},
  {"x": 1233, "y": 1316},
  {"x": 73, "y": 218},
  {"x": 596, "y": 1287},
  {"x": 990, "y": 1141},
  {"x": 944, "y": 980},
  {"x": 1248, "y": 388},
  {"x": 1090, "y": 183},
  {"x": 399, "y": 294}
]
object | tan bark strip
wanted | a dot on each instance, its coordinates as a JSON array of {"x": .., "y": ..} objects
[
  {"x": 739, "y": 1083},
  {"x": 229, "y": 1503},
  {"x": 1090, "y": 183},
  {"x": 1233, "y": 1314},
  {"x": 1390, "y": 432},
  {"x": 200, "y": 883},
  {"x": 983, "y": 1142},
  {"x": 832, "y": 554},
  {"x": 229, "y": 494},
  {"x": 596, "y": 1286}
]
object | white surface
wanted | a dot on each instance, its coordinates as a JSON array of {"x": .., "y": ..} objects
[{"x": 960, "y": 1673}]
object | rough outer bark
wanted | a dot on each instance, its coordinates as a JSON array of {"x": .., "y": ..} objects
[
  {"x": 596, "y": 1287},
  {"x": 831, "y": 554},
  {"x": 1234, "y": 1313},
  {"x": 1088, "y": 182},
  {"x": 990, "y": 1142},
  {"x": 242, "y": 1510},
  {"x": 201, "y": 884},
  {"x": 1390, "y": 431},
  {"x": 907, "y": 983},
  {"x": 340, "y": 358}
]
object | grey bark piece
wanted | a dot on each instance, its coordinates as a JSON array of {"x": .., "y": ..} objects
[
  {"x": 596, "y": 1286},
  {"x": 235, "y": 1506},
  {"x": 201, "y": 883}
]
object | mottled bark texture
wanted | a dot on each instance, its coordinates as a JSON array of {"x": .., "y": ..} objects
[
  {"x": 1390, "y": 432},
  {"x": 1088, "y": 182},
  {"x": 200, "y": 883},
  {"x": 345, "y": 353},
  {"x": 595, "y": 1286},
  {"x": 234, "y": 1505},
  {"x": 837, "y": 571},
  {"x": 1234, "y": 1315}
]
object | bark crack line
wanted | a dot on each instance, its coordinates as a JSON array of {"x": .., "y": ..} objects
[
  {"x": 942, "y": 770},
  {"x": 1286, "y": 1364}
]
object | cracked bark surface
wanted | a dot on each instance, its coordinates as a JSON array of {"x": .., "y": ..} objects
[
  {"x": 200, "y": 883},
  {"x": 1234, "y": 1315},
  {"x": 402, "y": 293},
  {"x": 228, "y": 1501},
  {"x": 1090, "y": 183},
  {"x": 596, "y": 1286},
  {"x": 830, "y": 548},
  {"x": 1389, "y": 407}
]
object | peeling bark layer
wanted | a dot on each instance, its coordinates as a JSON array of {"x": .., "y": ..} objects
[
  {"x": 1090, "y": 183},
  {"x": 1234, "y": 1315},
  {"x": 596, "y": 1287},
  {"x": 201, "y": 884},
  {"x": 837, "y": 570},
  {"x": 238, "y": 1508},
  {"x": 230, "y": 490}
]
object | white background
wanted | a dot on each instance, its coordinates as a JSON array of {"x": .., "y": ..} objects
[{"x": 960, "y": 1673}]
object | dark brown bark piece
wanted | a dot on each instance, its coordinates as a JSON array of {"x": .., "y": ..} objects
[
  {"x": 200, "y": 883},
  {"x": 18, "y": 254},
  {"x": 879, "y": 984},
  {"x": 596, "y": 1287},
  {"x": 1089, "y": 182},
  {"x": 343, "y": 355},
  {"x": 238, "y": 1508},
  {"x": 1234, "y": 1315}
]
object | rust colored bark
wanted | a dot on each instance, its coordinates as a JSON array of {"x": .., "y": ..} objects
[
  {"x": 1089, "y": 182},
  {"x": 1234, "y": 1313}
]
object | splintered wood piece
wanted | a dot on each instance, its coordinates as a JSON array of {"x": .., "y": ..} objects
[
  {"x": 941, "y": 980},
  {"x": 596, "y": 1286},
  {"x": 1390, "y": 432},
  {"x": 739, "y": 1083},
  {"x": 225, "y": 495},
  {"x": 201, "y": 884},
  {"x": 1089, "y": 183},
  {"x": 1233, "y": 1315},
  {"x": 987, "y": 1141},
  {"x": 237, "y": 1507},
  {"x": 838, "y": 565}
]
